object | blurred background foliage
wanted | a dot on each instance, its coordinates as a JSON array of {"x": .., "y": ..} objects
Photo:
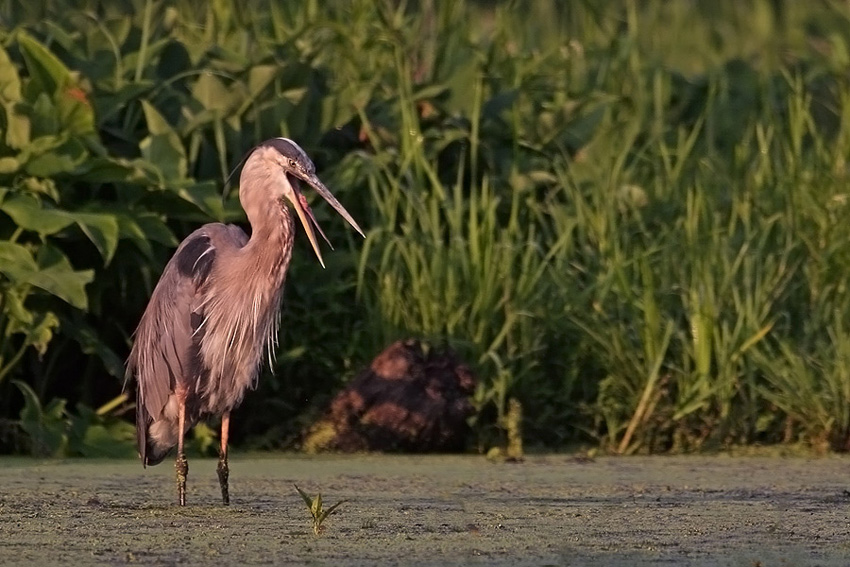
[{"x": 631, "y": 216}]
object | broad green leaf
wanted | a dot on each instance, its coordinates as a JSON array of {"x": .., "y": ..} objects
[
  {"x": 91, "y": 343},
  {"x": 462, "y": 83},
  {"x": 204, "y": 439},
  {"x": 118, "y": 30},
  {"x": 157, "y": 124},
  {"x": 130, "y": 60},
  {"x": 13, "y": 306},
  {"x": 174, "y": 60},
  {"x": 144, "y": 228},
  {"x": 212, "y": 94},
  {"x": 9, "y": 164},
  {"x": 31, "y": 412},
  {"x": 75, "y": 110},
  {"x": 26, "y": 212},
  {"x": 430, "y": 91},
  {"x": 66, "y": 158},
  {"x": 110, "y": 103},
  {"x": 204, "y": 117},
  {"x": 14, "y": 258},
  {"x": 17, "y": 124},
  {"x": 40, "y": 334},
  {"x": 205, "y": 196},
  {"x": 102, "y": 230},
  {"x": 155, "y": 229},
  {"x": 162, "y": 152},
  {"x": 260, "y": 77},
  {"x": 45, "y": 127},
  {"x": 46, "y": 71},
  {"x": 38, "y": 329},
  {"x": 294, "y": 95},
  {"x": 61, "y": 36},
  {"x": 41, "y": 186},
  {"x": 109, "y": 170},
  {"x": 52, "y": 272},
  {"x": 94, "y": 435},
  {"x": 128, "y": 227},
  {"x": 163, "y": 148},
  {"x": 46, "y": 427},
  {"x": 10, "y": 81},
  {"x": 55, "y": 408},
  {"x": 44, "y": 143},
  {"x": 149, "y": 173},
  {"x": 57, "y": 276},
  {"x": 114, "y": 441}
]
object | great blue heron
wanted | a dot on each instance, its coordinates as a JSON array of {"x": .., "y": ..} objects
[{"x": 216, "y": 308}]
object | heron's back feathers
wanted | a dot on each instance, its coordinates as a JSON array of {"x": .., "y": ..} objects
[{"x": 165, "y": 350}]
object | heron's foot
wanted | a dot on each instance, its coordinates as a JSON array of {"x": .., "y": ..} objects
[
  {"x": 223, "y": 476},
  {"x": 182, "y": 467}
]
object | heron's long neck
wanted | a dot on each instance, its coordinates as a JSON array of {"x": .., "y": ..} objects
[
  {"x": 248, "y": 309},
  {"x": 269, "y": 249}
]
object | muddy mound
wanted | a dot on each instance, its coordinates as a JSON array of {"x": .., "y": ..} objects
[{"x": 412, "y": 398}]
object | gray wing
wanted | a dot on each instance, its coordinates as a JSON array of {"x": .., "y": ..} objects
[{"x": 163, "y": 354}]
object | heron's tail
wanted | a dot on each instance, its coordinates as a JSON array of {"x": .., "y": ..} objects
[
  {"x": 154, "y": 439},
  {"x": 154, "y": 455}
]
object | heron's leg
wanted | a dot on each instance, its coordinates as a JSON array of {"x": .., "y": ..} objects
[
  {"x": 223, "y": 470},
  {"x": 182, "y": 464}
]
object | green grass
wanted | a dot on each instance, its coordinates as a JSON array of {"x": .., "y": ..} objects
[{"x": 629, "y": 216}]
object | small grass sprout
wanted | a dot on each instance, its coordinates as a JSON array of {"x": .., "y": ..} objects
[{"x": 314, "y": 504}]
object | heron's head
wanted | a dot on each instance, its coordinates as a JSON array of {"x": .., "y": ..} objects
[{"x": 285, "y": 165}]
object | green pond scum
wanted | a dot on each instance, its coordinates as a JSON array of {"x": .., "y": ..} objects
[{"x": 700, "y": 511}]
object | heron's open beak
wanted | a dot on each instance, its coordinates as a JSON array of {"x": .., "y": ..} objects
[{"x": 305, "y": 215}]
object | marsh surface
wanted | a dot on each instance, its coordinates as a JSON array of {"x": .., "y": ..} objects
[{"x": 458, "y": 510}]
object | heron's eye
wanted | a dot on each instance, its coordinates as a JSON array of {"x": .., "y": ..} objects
[{"x": 292, "y": 163}]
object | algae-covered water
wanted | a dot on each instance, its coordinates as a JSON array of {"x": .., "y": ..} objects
[{"x": 435, "y": 510}]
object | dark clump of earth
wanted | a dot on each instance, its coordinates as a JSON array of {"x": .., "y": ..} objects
[{"x": 412, "y": 398}]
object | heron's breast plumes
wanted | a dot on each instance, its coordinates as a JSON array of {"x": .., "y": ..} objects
[{"x": 242, "y": 304}]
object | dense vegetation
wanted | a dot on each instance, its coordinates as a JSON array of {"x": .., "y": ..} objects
[{"x": 631, "y": 216}]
